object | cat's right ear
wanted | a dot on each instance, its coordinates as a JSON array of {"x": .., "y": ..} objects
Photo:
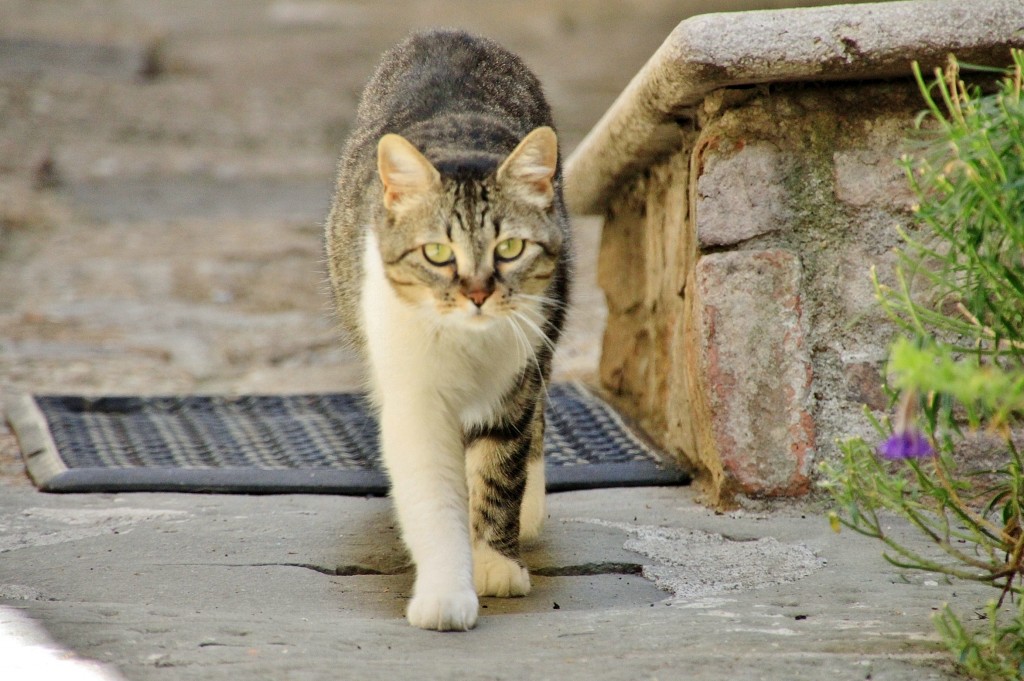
[
  {"x": 529, "y": 170},
  {"x": 406, "y": 174}
]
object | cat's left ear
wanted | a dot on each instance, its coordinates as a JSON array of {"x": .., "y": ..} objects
[
  {"x": 529, "y": 170},
  {"x": 407, "y": 175}
]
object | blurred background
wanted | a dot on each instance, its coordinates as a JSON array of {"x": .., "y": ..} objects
[{"x": 166, "y": 165}]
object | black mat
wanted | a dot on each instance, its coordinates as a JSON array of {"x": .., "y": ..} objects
[{"x": 285, "y": 444}]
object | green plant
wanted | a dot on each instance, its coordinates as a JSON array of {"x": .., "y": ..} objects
[{"x": 959, "y": 367}]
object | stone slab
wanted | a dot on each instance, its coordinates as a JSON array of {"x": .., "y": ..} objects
[{"x": 712, "y": 51}]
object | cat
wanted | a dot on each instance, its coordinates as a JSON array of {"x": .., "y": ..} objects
[{"x": 448, "y": 249}]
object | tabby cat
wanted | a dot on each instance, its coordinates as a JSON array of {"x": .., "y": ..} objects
[{"x": 448, "y": 249}]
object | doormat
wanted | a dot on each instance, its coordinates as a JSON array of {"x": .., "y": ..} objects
[{"x": 274, "y": 444}]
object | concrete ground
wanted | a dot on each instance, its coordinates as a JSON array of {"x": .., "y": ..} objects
[
  {"x": 164, "y": 168},
  {"x": 169, "y": 586}
]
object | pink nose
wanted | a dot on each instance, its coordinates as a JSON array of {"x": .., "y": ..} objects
[
  {"x": 477, "y": 289},
  {"x": 479, "y": 296}
]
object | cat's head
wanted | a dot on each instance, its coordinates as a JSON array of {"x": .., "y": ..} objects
[{"x": 472, "y": 247}]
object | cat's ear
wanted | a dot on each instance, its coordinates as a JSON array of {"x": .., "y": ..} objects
[
  {"x": 405, "y": 172},
  {"x": 529, "y": 170}
]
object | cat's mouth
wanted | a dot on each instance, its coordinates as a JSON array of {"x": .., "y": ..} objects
[{"x": 478, "y": 317}]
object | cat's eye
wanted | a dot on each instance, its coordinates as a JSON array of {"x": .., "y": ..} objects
[
  {"x": 438, "y": 254},
  {"x": 509, "y": 249}
]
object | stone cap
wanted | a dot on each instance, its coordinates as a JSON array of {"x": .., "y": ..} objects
[{"x": 841, "y": 42}]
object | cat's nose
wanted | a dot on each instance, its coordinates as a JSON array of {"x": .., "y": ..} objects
[
  {"x": 478, "y": 296},
  {"x": 478, "y": 291}
]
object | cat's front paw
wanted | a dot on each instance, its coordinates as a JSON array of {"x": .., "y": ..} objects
[
  {"x": 444, "y": 611},
  {"x": 498, "y": 575}
]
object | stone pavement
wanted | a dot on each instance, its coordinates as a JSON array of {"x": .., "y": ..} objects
[{"x": 627, "y": 584}]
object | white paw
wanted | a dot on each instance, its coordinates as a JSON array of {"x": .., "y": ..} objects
[
  {"x": 443, "y": 611},
  {"x": 496, "y": 575}
]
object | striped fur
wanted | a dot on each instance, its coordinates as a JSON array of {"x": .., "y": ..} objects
[{"x": 454, "y": 147}]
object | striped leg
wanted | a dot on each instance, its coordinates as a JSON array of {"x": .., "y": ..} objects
[
  {"x": 531, "y": 518},
  {"x": 497, "y": 464}
]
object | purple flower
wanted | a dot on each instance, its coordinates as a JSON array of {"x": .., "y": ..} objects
[{"x": 910, "y": 444}]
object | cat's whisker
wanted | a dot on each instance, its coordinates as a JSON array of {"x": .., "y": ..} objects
[
  {"x": 538, "y": 316},
  {"x": 547, "y": 341},
  {"x": 543, "y": 337},
  {"x": 533, "y": 353},
  {"x": 522, "y": 346},
  {"x": 544, "y": 300},
  {"x": 522, "y": 336}
]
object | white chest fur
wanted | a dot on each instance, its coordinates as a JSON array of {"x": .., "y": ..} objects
[{"x": 469, "y": 367}]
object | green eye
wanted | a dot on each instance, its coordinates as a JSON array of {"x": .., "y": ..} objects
[
  {"x": 509, "y": 249},
  {"x": 438, "y": 254}
]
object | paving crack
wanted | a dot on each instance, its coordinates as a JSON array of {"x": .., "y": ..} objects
[
  {"x": 359, "y": 569},
  {"x": 339, "y": 571},
  {"x": 586, "y": 569},
  {"x": 344, "y": 570},
  {"x": 578, "y": 570}
]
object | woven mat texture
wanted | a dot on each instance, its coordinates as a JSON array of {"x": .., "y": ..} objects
[{"x": 331, "y": 433}]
